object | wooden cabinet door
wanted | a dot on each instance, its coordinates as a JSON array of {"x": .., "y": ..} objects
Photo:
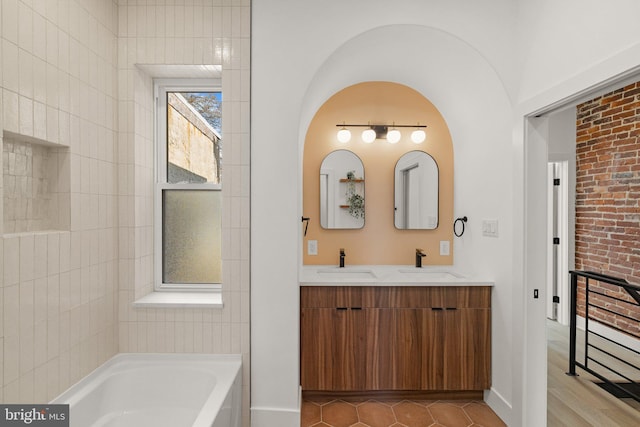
[
  {"x": 455, "y": 350},
  {"x": 467, "y": 349},
  {"x": 433, "y": 344},
  {"x": 467, "y": 365},
  {"x": 406, "y": 361},
  {"x": 380, "y": 330},
  {"x": 393, "y": 349},
  {"x": 348, "y": 368},
  {"x": 316, "y": 348},
  {"x": 332, "y": 349}
]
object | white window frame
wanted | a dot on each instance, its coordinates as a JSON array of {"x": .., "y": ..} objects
[{"x": 161, "y": 87}]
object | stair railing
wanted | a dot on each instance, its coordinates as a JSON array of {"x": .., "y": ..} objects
[{"x": 591, "y": 348}]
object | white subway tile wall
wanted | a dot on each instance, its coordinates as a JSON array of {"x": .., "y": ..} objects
[{"x": 69, "y": 76}]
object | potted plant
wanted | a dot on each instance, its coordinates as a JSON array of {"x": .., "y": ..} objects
[
  {"x": 356, "y": 205},
  {"x": 354, "y": 200}
]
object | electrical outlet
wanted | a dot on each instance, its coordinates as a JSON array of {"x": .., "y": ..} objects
[
  {"x": 312, "y": 247},
  {"x": 535, "y": 293},
  {"x": 444, "y": 247}
]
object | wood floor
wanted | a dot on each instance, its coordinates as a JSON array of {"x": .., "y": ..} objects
[{"x": 577, "y": 401}]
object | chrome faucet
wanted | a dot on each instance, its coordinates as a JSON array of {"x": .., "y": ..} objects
[
  {"x": 419, "y": 255},
  {"x": 342, "y": 255}
]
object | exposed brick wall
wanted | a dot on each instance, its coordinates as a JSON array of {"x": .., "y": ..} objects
[{"x": 608, "y": 194}]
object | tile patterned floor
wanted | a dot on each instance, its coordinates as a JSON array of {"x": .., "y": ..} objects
[{"x": 398, "y": 413}]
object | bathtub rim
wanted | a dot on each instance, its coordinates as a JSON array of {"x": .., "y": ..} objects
[{"x": 209, "y": 408}]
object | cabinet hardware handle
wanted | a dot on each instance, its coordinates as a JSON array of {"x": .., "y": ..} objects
[
  {"x": 356, "y": 308},
  {"x": 452, "y": 308},
  {"x": 341, "y": 308},
  {"x": 436, "y": 308}
]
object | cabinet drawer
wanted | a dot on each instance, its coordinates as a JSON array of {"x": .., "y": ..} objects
[
  {"x": 395, "y": 296},
  {"x": 330, "y": 296},
  {"x": 461, "y": 297},
  {"x": 426, "y": 297}
]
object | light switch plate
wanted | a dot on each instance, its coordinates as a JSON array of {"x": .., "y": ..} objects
[
  {"x": 490, "y": 227},
  {"x": 312, "y": 247},
  {"x": 444, "y": 247}
]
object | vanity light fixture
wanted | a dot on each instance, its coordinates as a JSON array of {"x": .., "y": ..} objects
[
  {"x": 369, "y": 135},
  {"x": 344, "y": 135},
  {"x": 393, "y": 136},
  {"x": 374, "y": 132},
  {"x": 418, "y": 136}
]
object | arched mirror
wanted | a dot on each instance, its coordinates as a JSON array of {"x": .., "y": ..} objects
[
  {"x": 341, "y": 191},
  {"x": 416, "y": 192}
]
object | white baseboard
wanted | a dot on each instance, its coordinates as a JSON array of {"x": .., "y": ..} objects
[
  {"x": 500, "y": 406},
  {"x": 619, "y": 337},
  {"x": 271, "y": 417}
]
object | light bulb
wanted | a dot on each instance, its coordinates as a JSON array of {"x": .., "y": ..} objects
[
  {"x": 369, "y": 136},
  {"x": 393, "y": 136},
  {"x": 418, "y": 136},
  {"x": 344, "y": 135}
]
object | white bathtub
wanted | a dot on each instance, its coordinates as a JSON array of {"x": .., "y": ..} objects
[{"x": 159, "y": 390}]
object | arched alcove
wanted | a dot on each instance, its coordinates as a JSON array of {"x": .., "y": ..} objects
[
  {"x": 472, "y": 100},
  {"x": 379, "y": 241}
]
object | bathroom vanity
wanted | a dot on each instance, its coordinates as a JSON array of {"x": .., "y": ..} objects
[{"x": 418, "y": 331}]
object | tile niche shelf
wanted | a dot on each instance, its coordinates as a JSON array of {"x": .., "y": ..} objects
[{"x": 36, "y": 185}]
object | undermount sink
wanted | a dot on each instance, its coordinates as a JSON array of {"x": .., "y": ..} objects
[
  {"x": 351, "y": 273},
  {"x": 426, "y": 274}
]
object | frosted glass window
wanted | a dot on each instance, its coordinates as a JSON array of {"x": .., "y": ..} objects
[
  {"x": 188, "y": 201},
  {"x": 191, "y": 236}
]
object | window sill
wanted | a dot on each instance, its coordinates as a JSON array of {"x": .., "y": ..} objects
[{"x": 180, "y": 300}]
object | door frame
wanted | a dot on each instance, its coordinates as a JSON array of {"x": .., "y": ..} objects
[
  {"x": 530, "y": 348},
  {"x": 563, "y": 226}
]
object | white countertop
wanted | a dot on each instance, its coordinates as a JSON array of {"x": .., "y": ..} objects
[{"x": 387, "y": 275}]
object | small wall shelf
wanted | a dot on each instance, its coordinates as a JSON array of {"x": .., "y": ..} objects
[{"x": 36, "y": 185}]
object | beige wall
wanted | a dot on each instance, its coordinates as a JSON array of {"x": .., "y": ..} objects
[
  {"x": 59, "y": 288},
  {"x": 378, "y": 242},
  {"x": 68, "y": 76},
  {"x": 189, "y": 33}
]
